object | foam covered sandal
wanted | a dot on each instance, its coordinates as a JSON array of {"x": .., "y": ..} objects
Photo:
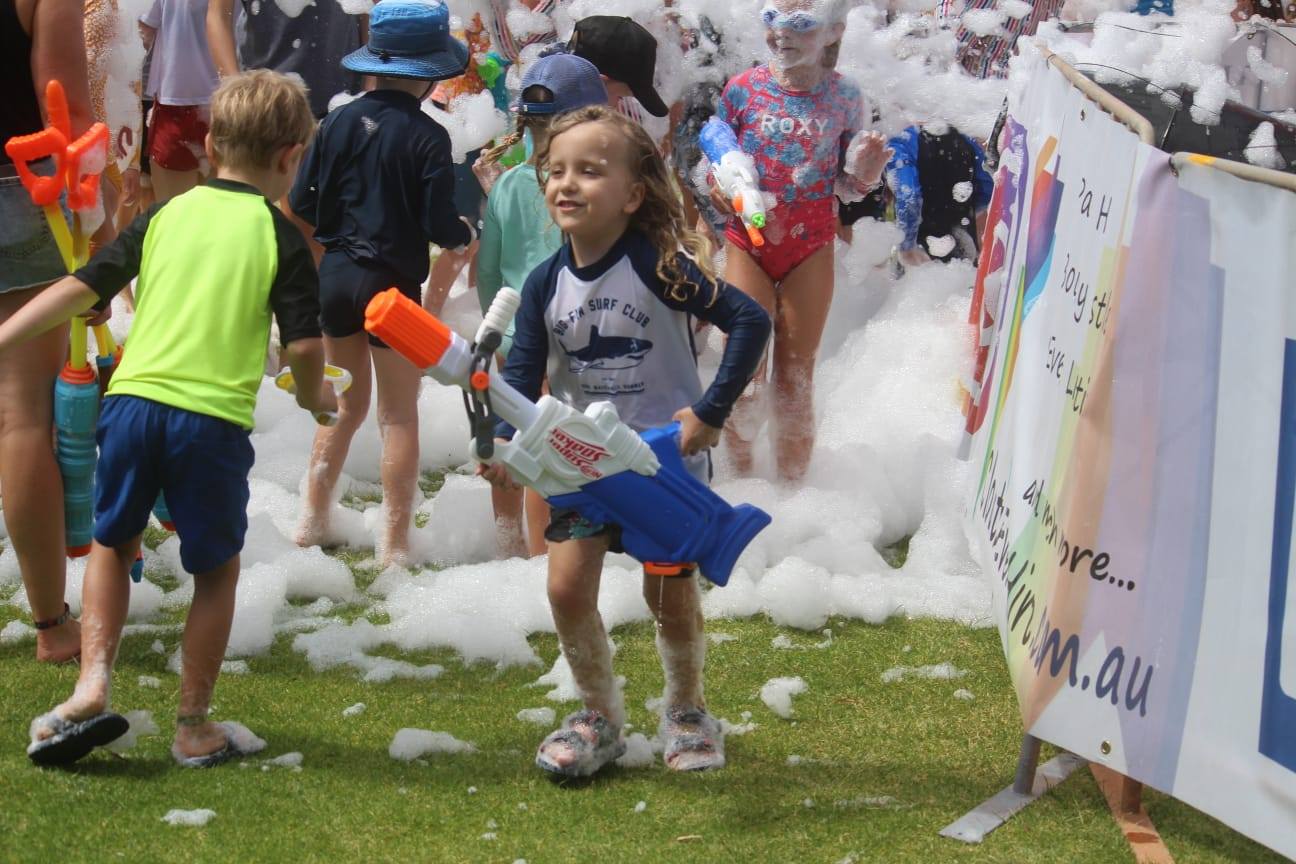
[
  {"x": 693, "y": 740},
  {"x": 593, "y": 741},
  {"x": 73, "y": 739}
]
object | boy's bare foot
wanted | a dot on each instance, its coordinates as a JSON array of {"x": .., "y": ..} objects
[
  {"x": 312, "y": 529},
  {"x": 199, "y": 740},
  {"x": 394, "y": 557},
  {"x": 82, "y": 706},
  {"x": 59, "y": 644}
]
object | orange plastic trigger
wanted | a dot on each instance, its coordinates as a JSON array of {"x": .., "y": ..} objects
[{"x": 25, "y": 149}]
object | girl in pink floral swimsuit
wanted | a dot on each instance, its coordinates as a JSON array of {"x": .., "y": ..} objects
[{"x": 798, "y": 119}]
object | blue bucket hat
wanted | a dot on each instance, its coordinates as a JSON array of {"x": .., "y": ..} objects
[
  {"x": 410, "y": 39},
  {"x": 573, "y": 82}
]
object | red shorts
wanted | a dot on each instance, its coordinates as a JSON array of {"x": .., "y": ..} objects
[
  {"x": 176, "y": 136},
  {"x": 793, "y": 232}
]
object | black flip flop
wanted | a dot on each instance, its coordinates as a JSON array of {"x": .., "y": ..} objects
[{"x": 73, "y": 740}]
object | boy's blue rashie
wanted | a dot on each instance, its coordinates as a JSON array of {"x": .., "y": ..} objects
[{"x": 671, "y": 516}]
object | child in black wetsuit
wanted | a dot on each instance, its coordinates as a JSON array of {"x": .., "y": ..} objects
[{"x": 378, "y": 186}]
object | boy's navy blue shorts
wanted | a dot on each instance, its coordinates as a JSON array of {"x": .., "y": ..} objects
[
  {"x": 199, "y": 463},
  {"x": 347, "y": 286}
]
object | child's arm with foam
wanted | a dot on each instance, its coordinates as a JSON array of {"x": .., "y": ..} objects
[
  {"x": 294, "y": 299},
  {"x": 442, "y": 223},
  {"x": 738, "y": 316},
  {"x": 220, "y": 37}
]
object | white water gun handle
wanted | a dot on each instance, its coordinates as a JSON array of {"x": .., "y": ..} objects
[{"x": 500, "y": 314}]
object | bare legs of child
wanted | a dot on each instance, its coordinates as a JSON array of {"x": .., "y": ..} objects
[
  {"x": 799, "y": 308},
  {"x": 105, "y": 599},
  {"x": 590, "y": 739},
  {"x": 519, "y": 529},
  {"x": 398, "y": 385},
  {"x": 29, "y": 476}
]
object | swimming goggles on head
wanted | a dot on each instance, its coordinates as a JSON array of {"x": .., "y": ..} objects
[{"x": 797, "y": 22}]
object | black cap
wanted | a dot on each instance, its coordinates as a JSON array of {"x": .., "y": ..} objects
[{"x": 623, "y": 51}]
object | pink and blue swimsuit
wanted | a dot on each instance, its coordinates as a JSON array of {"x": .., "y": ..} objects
[{"x": 798, "y": 140}]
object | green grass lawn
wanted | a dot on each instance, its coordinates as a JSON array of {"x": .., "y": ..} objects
[{"x": 882, "y": 767}]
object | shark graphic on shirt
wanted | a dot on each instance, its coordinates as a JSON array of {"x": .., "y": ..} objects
[{"x": 608, "y": 352}]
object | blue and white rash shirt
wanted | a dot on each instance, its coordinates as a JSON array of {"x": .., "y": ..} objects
[{"x": 611, "y": 331}]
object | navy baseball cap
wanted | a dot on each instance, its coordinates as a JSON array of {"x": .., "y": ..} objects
[
  {"x": 410, "y": 39},
  {"x": 569, "y": 82}
]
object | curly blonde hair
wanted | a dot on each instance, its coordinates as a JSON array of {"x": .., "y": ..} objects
[{"x": 661, "y": 215}]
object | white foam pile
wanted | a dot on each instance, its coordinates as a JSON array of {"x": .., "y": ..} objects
[
  {"x": 410, "y": 744},
  {"x": 942, "y": 671},
  {"x": 142, "y": 725},
  {"x": 538, "y": 716},
  {"x": 777, "y": 694},
  {"x": 189, "y": 818},
  {"x": 641, "y": 751}
]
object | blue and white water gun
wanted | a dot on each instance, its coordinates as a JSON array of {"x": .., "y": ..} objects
[
  {"x": 735, "y": 175},
  {"x": 591, "y": 462}
]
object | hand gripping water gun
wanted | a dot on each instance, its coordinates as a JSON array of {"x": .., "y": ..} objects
[
  {"x": 108, "y": 358},
  {"x": 335, "y": 375},
  {"x": 735, "y": 175},
  {"x": 77, "y": 165},
  {"x": 591, "y": 462}
]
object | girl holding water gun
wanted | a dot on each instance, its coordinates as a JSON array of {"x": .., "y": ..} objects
[
  {"x": 800, "y": 121},
  {"x": 609, "y": 317},
  {"x": 518, "y": 235}
]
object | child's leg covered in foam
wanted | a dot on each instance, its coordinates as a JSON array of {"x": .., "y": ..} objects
[
  {"x": 398, "y": 389},
  {"x": 751, "y": 410},
  {"x": 805, "y": 297},
  {"x": 329, "y": 450}
]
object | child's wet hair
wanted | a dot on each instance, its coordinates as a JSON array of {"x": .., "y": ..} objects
[
  {"x": 661, "y": 216},
  {"x": 254, "y": 114}
]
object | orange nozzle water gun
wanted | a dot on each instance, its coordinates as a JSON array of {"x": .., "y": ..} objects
[{"x": 78, "y": 165}]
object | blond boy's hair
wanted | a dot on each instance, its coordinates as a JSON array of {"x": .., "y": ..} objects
[{"x": 255, "y": 113}]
